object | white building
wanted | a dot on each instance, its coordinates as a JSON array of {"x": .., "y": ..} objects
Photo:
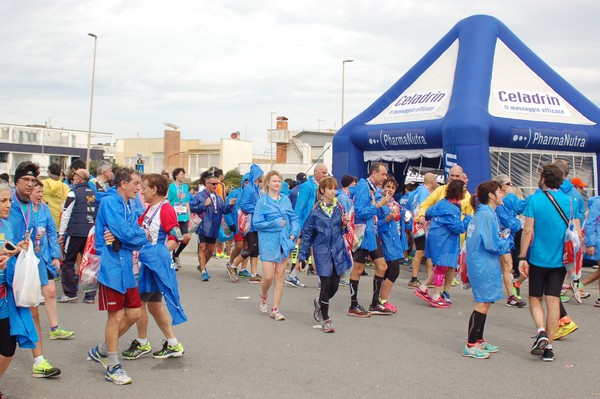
[{"x": 45, "y": 145}]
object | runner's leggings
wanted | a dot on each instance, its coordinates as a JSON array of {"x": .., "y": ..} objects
[{"x": 329, "y": 286}]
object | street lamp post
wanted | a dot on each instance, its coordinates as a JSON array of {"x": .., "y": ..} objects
[
  {"x": 271, "y": 137},
  {"x": 89, "y": 138},
  {"x": 343, "y": 77}
]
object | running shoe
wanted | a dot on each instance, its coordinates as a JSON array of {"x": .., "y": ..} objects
[
  {"x": 364, "y": 273},
  {"x": 117, "y": 375},
  {"x": 576, "y": 291},
  {"x": 255, "y": 279},
  {"x": 177, "y": 263},
  {"x": 597, "y": 303},
  {"x": 484, "y": 346},
  {"x": 548, "y": 355},
  {"x": 42, "y": 301},
  {"x": 220, "y": 255},
  {"x": 565, "y": 330},
  {"x": 585, "y": 294},
  {"x": 423, "y": 294},
  {"x": 564, "y": 289},
  {"x": 244, "y": 274},
  {"x": 439, "y": 303},
  {"x": 232, "y": 272},
  {"x": 61, "y": 333},
  {"x": 318, "y": 316},
  {"x": 514, "y": 302},
  {"x": 262, "y": 304},
  {"x": 311, "y": 271},
  {"x": 44, "y": 370},
  {"x": 390, "y": 307},
  {"x": 564, "y": 298},
  {"x": 358, "y": 311},
  {"x": 88, "y": 301},
  {"x": 446, "y": 297},
  {"x": 169, "y": 351},
  {"x": 66, "y": 299},
  {"x": 136, "y": 350},
  {"x": 380, "y": 310},
  {"x": 95, "y": 356},
  {"x": 413, "y": 284},
  {"x": 517, "y": 292},
  {"x": 475, "y": 352},
  {"x": 541, "y": 340},
  {"x": 327, "y": 327},
  {"x": 276, "y": 314},
  {"x": 294, "y": 282},
  {"x": 454, "y": 282},
  {"x": 205, "y": 275}
]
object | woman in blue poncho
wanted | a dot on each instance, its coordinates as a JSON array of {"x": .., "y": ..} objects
[
  {"x": 484, "y": 248},
  {"x": 277, "y": 227},
  {"x": 324, "y": 232},
  {"x": 23, "y": 328},
  {"x": 443, "y": 243}
]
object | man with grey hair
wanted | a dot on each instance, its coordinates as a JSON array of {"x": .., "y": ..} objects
[{"x": 104, "y": 176}]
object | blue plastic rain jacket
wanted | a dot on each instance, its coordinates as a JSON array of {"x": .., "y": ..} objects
[
  {"x": 365, "y": 212},
  {"x": 251, "y": 193},
  {"x": 211, "y": 214},
  {"x": 49, "y": 248},
  {"x": 391, "y": 241},
  {"x": 443, "y": 241},
  {"x": 507, "y": 218},
  {"x": 116, "y": 267},
  {"x": 592, "y": 228},
  {"x": 578, "y": 204},
  {"x": 514, "y": 203},
  {"x": 157, "y": 275},
  {"x": 307, "y": 197},
  {"x": 274, "y": 240},
  {"x": 285, "y": 189},
  {"x": 484, "y": 247},
  {"x": 326, "y": 235}
]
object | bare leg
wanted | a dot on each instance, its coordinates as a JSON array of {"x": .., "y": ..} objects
[
  {"x": 278, "y": 286},
  {"x": 36, "y": 320},
  {"x": 49, "y": 292},
  {"x": 268, "y": 274},
  {"x": 4, "y": 363},
  {"x": 553, "y": 317},
  {"x": 537, "y": 312},
  {"x": 162, "y": 318},
  {"x": 507, "y": 277}
]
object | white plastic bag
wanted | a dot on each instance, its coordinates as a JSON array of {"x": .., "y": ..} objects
[{"x": 26, "y": 283}]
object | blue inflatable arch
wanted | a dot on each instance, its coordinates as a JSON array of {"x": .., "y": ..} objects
[{"x": 480, "y": 98}]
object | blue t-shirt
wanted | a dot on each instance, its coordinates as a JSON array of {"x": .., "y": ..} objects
[
  {"x": 548, "y": 229},
  {"x": 179, "y": 199},
  {"x": 5, "y": 235}
]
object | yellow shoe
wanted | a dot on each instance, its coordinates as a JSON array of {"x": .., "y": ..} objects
[
  {"x": 565, "y": 330},
  {"x": 454, "y": 282},
  {"x": 220, "y": 255}
]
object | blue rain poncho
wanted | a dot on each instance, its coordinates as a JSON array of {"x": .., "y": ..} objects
[
  {"x": 443, "y": 241},
  {"x": 116, "y": 267},
  {"x": 326, "y": 236},
  {"x": 157, "y": 275},
  {"x": 211, "y": 214},
  {"x": 389, "y": 234},
  {"x": 592, "y": 228},
  {"x": 274, "y": 241},
  {"x": 251, "y": 193},
  {"x": 49, "y": 248},
  {"x": 484, "y": 247},
  {"x": 365, "y": 212},
  {"x": 307, "y": 196}
]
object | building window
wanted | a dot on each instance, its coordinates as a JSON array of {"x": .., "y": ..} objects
[{"x": 3, "y": 157}]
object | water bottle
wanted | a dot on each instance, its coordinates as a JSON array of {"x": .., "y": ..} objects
[{"x": 39, "y": 232}]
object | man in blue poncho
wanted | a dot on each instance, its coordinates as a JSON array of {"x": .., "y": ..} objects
[{"x": 117, "y": 236}]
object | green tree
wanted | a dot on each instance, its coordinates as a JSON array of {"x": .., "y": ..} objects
[{"x": 232, "y": 178}]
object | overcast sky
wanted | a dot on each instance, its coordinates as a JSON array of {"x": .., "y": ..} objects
[{"x": 215, "y": 67}]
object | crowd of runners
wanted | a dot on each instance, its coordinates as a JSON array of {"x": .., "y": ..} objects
[{"x": 127, "y": 230}]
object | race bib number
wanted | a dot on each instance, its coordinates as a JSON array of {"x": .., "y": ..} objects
[{"x": 180, "y": 209}]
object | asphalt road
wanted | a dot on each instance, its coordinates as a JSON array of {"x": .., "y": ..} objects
[{"x": 232, "y": 350}]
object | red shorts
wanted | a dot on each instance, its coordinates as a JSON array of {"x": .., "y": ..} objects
[
  {"x": 112, "y": 300},
  {"x": 237, "y": 237}
]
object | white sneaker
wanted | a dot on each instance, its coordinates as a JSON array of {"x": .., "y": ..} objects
[{"x": 264, "y": 308}]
